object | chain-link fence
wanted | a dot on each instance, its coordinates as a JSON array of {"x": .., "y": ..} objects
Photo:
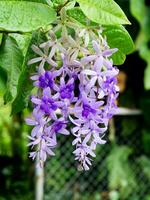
[{"x": 119, "y": 172}]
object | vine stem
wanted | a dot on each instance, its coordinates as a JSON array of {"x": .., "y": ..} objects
[{"x": 39, "y": 181}]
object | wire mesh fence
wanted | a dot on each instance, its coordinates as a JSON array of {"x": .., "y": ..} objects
[{"x": 119, "y": 172}]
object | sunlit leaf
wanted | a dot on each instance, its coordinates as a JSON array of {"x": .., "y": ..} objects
[
  {"x": 25, "y": 16},
  {"x": 105, "y": 12},
  {"x": 118, "y": 37}
]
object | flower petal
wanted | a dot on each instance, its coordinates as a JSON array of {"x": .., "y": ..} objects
[
  {"x": 30, "y": 122},
  {"x": 89, "y": 72},
  {"x": 34, "y": 60}
]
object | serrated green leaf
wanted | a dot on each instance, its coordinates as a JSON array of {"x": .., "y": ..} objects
[
  {"x": 24, "y": 16},
  {"x": 25, "y": 84},
  {"x": 11, "y": 59},
  {"x": 118, "y": 37},
  {"x": 105, "y": 12}
]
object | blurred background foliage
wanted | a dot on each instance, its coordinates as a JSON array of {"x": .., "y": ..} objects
[{"x": 121, "y": 170}]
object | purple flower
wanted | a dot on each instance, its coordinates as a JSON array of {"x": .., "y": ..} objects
[
  {"x": 82, "y": 92},
  {"x": 39, "y": 121},
  {"x": 45, "y": 146},
  {"x": 110, "y": 85},
  {"x": 81, "y": 154},
  {"x": 59, "y": 126},
  {"x": 87, "y": 108},
  {"x": 66, "y": 89},
  {"x": 47, "y": 104},
  {"x": 46, "y": 79}
]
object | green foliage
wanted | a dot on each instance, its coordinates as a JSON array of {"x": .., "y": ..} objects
[
  {"x": 24, "y": 86},
  {"x": 120, "y": 174},
  {"x": 5, "y": 138},
  {"x": 145, "y": 165},
  {"x": 38, "y": 1},
  {"x": 114, "y": 195},
  {"x": 77, "y": 14},
  {"x": 105, "y": 12},
  {"x": 1, "y": 37},
  {"x": 142, "y": 14},
  {"x": 118, "y": 37},
  {"x": 146, "y": 141},
  {"x": 3, "y": 78},
  {"x": 22, "y": 41},
  {"x": 59, "y": 2},
  {"x": 11, "y": 59},
  {"x": 145, "y": 106},
  {"x": 147, "y": 197},
  {"x": 129, "y": 125},
  {"x": 24, "y": 16}
]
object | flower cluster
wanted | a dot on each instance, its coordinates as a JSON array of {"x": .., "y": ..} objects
[{"x": 76, "y": 83}]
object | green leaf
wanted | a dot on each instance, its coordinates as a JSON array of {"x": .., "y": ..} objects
[
  {"x": 78, "y": 15},
  {"x": 25, "y": 84},
  {"x": 3, "y": 79},
  {"x": 118, "y": 37},
  {"x": 11, "y": 59},
  {"x": 1, "y": 37},
  {"x": 24, "y": 16},
  {"x": 5, "y": 125},
  {"x": 38, "y": 1},
  {"x": 22, "y": 41},
  {"x": 105, "y": 12},
  {"x": 59, "y": 2}
]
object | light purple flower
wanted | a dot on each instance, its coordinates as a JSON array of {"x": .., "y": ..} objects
[
  {"x": 82, "y": 92},
  {"x": 58, "y": 126}
]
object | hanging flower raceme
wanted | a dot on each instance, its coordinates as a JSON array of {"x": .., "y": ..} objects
[{"x": 79, "y": 93}]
